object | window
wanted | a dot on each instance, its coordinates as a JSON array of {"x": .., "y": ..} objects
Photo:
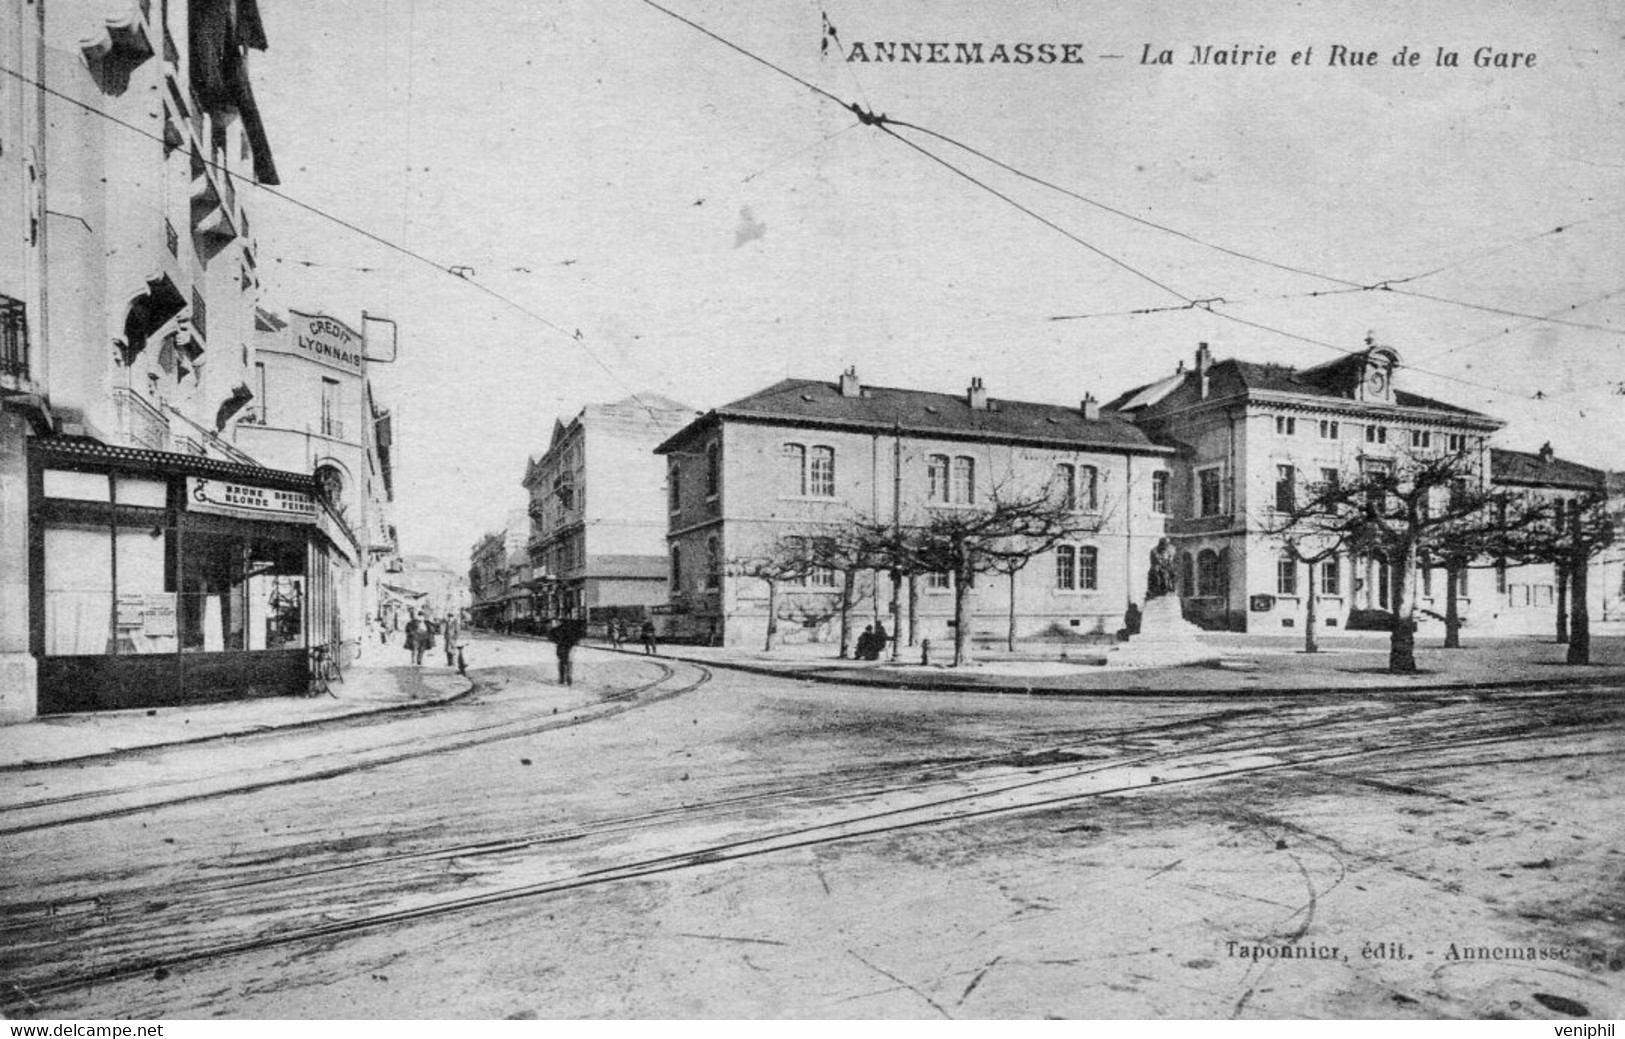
[
  {"x": 713, "y": 563},
  {"x": 1421, "y": 438},
  {"x": 821, "y": 479},
  {"x": 1456, "y": 442},
  {"x": 1209, "y": 574},
  {"x": 676, "y": 568},
  {"x": 1376, "y": 434},
  {"x": 1089, "y": 487},
  {"x": 674, "y": 486},
  {"x": 1328, "y": 429},
  {"x": 259, "y": 392},
  {"x": 1088, "y": 568},
  {"x": 1211, "y": 492},
  {"x": 822, "y": 577},
  {"x": 1066, "y": 479},
  {"x": 1426, "y": 574},
  {"x": 1286, "y": 574},
  {"x": 939, "y": 581},
  {"x": 1065, "y": 568},
  {"x": 1286, "y": 491},
  {"x": 795, "y": 470},
  {"x": 1330, "y": 577},
  {"x": 964, "y": 486},
  {"x": 1285, "y": 425},
  {"x": 936, "y": 471},
  {"x": 713, "y": 470},
  {"x": 331, "y": 426},
  {"x": 1159, "y": 493},
  {"x": 1187, "y": 575}
]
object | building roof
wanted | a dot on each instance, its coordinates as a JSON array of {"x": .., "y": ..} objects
[
  {"x": 815, "y": 403},
  {"x": 1542, "y": 469},
  {"x": 1227, "y": 378}
]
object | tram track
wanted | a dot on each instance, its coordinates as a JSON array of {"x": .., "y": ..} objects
[
  {"x": 40, "y": 814},
  {"x": 1400, "y": 731}
]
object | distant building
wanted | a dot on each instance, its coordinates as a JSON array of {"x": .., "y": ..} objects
[
  {"x": 805, "y": 455},
  {"x": 499, "y": 576},
  {"x": 598, "y": 514},
  {"x": 426, "y": 583},
  {"x": 1526, "y": 599}
]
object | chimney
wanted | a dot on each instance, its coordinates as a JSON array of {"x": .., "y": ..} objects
[
  {"x": 1204, "y": 361},
  {"x": 850, "y": 387},
  {"x": 976, "y": 396},
  {"x": 1546, "y": 453},
  {"x": 1091, "y": 408}
]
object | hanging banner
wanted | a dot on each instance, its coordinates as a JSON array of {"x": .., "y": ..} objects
[{"x": 224, "y": 498}]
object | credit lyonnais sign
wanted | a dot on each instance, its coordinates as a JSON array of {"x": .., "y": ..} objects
[
  {"x": 224, "y": 498},
  {"x": 327, "y": 340}
]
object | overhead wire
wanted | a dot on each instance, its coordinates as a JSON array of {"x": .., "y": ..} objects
[
  {"x": 884, "y": 123},
  {"x": 575, "y": 337}
]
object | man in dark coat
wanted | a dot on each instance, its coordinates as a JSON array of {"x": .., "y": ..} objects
[{"x": 565, "y": 636}]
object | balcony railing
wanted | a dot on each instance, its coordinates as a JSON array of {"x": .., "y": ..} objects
[
  {"x": 13, "y": 338},
  {"x": 139, "y": 421}
]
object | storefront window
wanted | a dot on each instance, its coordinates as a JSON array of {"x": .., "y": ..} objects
[
  {"x": 240, "y": 593},
  {"x": 144, "y": 621},
  {"x": 78, "y": 589}
]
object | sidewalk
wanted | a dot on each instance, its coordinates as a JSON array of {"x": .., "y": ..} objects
[
  {"x": 383, "y": 679},
  {"x": 1249, "y": 664}
]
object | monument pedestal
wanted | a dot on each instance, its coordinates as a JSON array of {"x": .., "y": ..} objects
[{"x": 1166, "y": 639}]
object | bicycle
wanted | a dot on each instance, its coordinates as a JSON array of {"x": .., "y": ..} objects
[{"x": 325, "y": 669}]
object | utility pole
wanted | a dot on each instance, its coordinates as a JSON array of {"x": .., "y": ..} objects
[{"x": 897, "y": 539}]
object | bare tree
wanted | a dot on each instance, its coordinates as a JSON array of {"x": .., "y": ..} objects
[
  {"x": 1400, "y": 512},
  {"x": 783, "y": 559},
  {"x": 1001, "y": 536},
  {"x": 1567, "y": 533}
]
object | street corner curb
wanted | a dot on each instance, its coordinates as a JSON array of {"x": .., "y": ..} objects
[
  {"x": 462, "y": 686},
  {"x": 1615, "y": 678}
]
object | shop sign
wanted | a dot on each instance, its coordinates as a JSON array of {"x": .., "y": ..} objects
[
  {"x": 327, "y": 340},
  {"x": 225, "y": 498}
]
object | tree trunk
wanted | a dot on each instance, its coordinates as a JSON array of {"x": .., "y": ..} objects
[
  {"x": 848, "y": 582},
  {"x": 772, "y": 613},
  {"x": 1452, "y": 609},
  {"x": 1580, "y": 630},
  {"x": 962, "y": 621},
  {"x": 1402, "y": 646},
  {"x": 1309, "y": 643},
  {"x": 1010, "y": 635},
  {"x": 1562, "y": 602},
  {"x": 913, "y": 609},
  {"x": 896, "y": 612}
]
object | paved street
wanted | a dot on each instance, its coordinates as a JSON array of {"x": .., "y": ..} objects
[{"x": 667, "y": 839}]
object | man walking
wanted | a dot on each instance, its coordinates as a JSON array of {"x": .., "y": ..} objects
[
  {"x": 453, "y": 631},
  {"x": 648, "y": 633},
  {"x": 417, "y": 636},
  {"x": 565, "y": 636}
]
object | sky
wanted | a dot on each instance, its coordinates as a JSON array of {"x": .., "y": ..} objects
[{"x": 633, "y": 205}]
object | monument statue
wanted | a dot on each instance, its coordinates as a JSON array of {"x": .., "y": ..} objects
[{"x": 1163, "y": 579}]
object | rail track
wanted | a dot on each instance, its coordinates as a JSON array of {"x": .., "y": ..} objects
[
  {"x": 406, "y": 888},
  {"x": 112, "y": 802}
]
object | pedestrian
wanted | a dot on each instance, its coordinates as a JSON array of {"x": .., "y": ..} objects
[
  {"x": 882, "y": 637},
  {"x": 383, "y": 631},
  {"x": 417, "y": 637},
  {"x": 451, "y": 633},
  {"x": 616, "y": 635},
  {"x": 648, "y": 633},
  {"x": 865, "y": 649},
  {"x": 565, "y": 636}
]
